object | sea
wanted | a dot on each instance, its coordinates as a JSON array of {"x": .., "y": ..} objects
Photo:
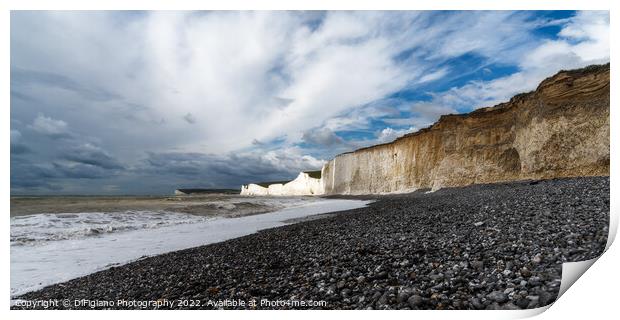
[{"x": 49, "y": 248}]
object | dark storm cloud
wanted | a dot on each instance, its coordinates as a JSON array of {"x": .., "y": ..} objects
[
  {"x": 27, "y": 176},
  {"x": 42, "y": 173},
  {"x": 92, "y": 155},
  {"x": 18, "y": 149},
  {"x": 304, "y": 86},
  {"x": 75, "y": 170},
  {"x": 33, "y": 185},
  {"x": 228, "y": 170}
]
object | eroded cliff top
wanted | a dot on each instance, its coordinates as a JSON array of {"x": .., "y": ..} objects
[{"x": 565, "y": 84}]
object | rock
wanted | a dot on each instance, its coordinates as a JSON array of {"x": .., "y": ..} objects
[
  {"x": 436, "y": 277},
  {"x": 545, "y": 298},
  {"x": 498, "y": 296},
  {"x": 509, "y": 306},
  {"x": 341, "y": 284},
  {"x": 331, "y": 289},
  {"x": 522, "y": 303},
  {"x": 537, "y": 259},
  {"x": 534, "y": 281},
  {"x": 478, "y": 224},
  {"x": 328, "y": 266},
  {"x": 477, "y": 265},
  {"x": 475, "y": 302},
  {"x": 525, "y": 272},
  {"x": 533, "y": 302},
  {"x": 493, "y": 306},
  {"x": 415, "y": 301},
  {"x": 383, "y": 300},
  {"x": 403, "y": 295},
  {"x": 376, "y": 296}
]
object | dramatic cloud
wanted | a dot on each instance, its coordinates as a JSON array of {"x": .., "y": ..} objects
[
  {"x": 583, "y": 41},
  {"x": 142, "y": 102},
  {"x": 92, "y": 155},
  {"x": 228, "y": 170},
  {"x": 76, "y": 170}
]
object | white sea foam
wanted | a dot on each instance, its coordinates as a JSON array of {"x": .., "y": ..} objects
[
  {"x": 52, "y": 248},
  {"x": 37, "y": 229}
]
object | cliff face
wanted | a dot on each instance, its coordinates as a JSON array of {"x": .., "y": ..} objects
[
  {"x": 303, "y": 185},
  {"x": 559, "y": 130}
]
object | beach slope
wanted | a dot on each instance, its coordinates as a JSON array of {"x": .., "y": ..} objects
[{"x": 495, "y": 246}]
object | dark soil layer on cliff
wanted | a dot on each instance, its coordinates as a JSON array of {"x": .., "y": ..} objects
[{"x": 479, "y": 247}]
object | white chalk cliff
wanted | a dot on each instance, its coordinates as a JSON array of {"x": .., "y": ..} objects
[
  {"x": 303, "y": 185},
  {"x": 559, "y": 130}
]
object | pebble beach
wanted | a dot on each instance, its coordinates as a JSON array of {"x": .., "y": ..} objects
[{"x": 495, "y": 246}]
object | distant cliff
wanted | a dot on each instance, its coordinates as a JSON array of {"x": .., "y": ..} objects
[
  {"x": 188, "y": 191},
  {"x": 306, "y": 183},
  {"x": 559, "y": 130}
]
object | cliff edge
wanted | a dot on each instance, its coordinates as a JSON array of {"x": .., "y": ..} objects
[{"x": 559, "y": 130}]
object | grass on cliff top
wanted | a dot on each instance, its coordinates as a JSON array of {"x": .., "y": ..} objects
[
  {"x": 314, "y": 174},
  {"x": 266, "y": 184}
]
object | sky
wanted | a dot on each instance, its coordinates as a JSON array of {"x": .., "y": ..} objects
[{"x": 128, "y": 102}]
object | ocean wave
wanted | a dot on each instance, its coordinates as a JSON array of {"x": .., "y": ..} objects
[{"x": 38, "y": 229}]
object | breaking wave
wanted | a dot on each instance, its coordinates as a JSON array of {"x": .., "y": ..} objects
[{"x": 38, "y": 229}]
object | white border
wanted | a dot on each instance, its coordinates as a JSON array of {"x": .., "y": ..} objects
[
  {"x": 593, "y": 295},
  {"x": 312, "y": 5}
]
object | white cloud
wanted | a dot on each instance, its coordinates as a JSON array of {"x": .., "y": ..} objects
[
  {"x": 388, "y": 134},
  {"x": 229, "y": 82},
  {"x": 48, "y": 126},
  {"x": 15, "y": 136},
  {"x": 291, "y": 159},
  {"x": 436, "y": 75},
  {"x": 231, "y": 71},
  {"x": 590, "y": 27},
  {"x": 501, "y": 36},
  {"x": 322, "y": 136}
]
